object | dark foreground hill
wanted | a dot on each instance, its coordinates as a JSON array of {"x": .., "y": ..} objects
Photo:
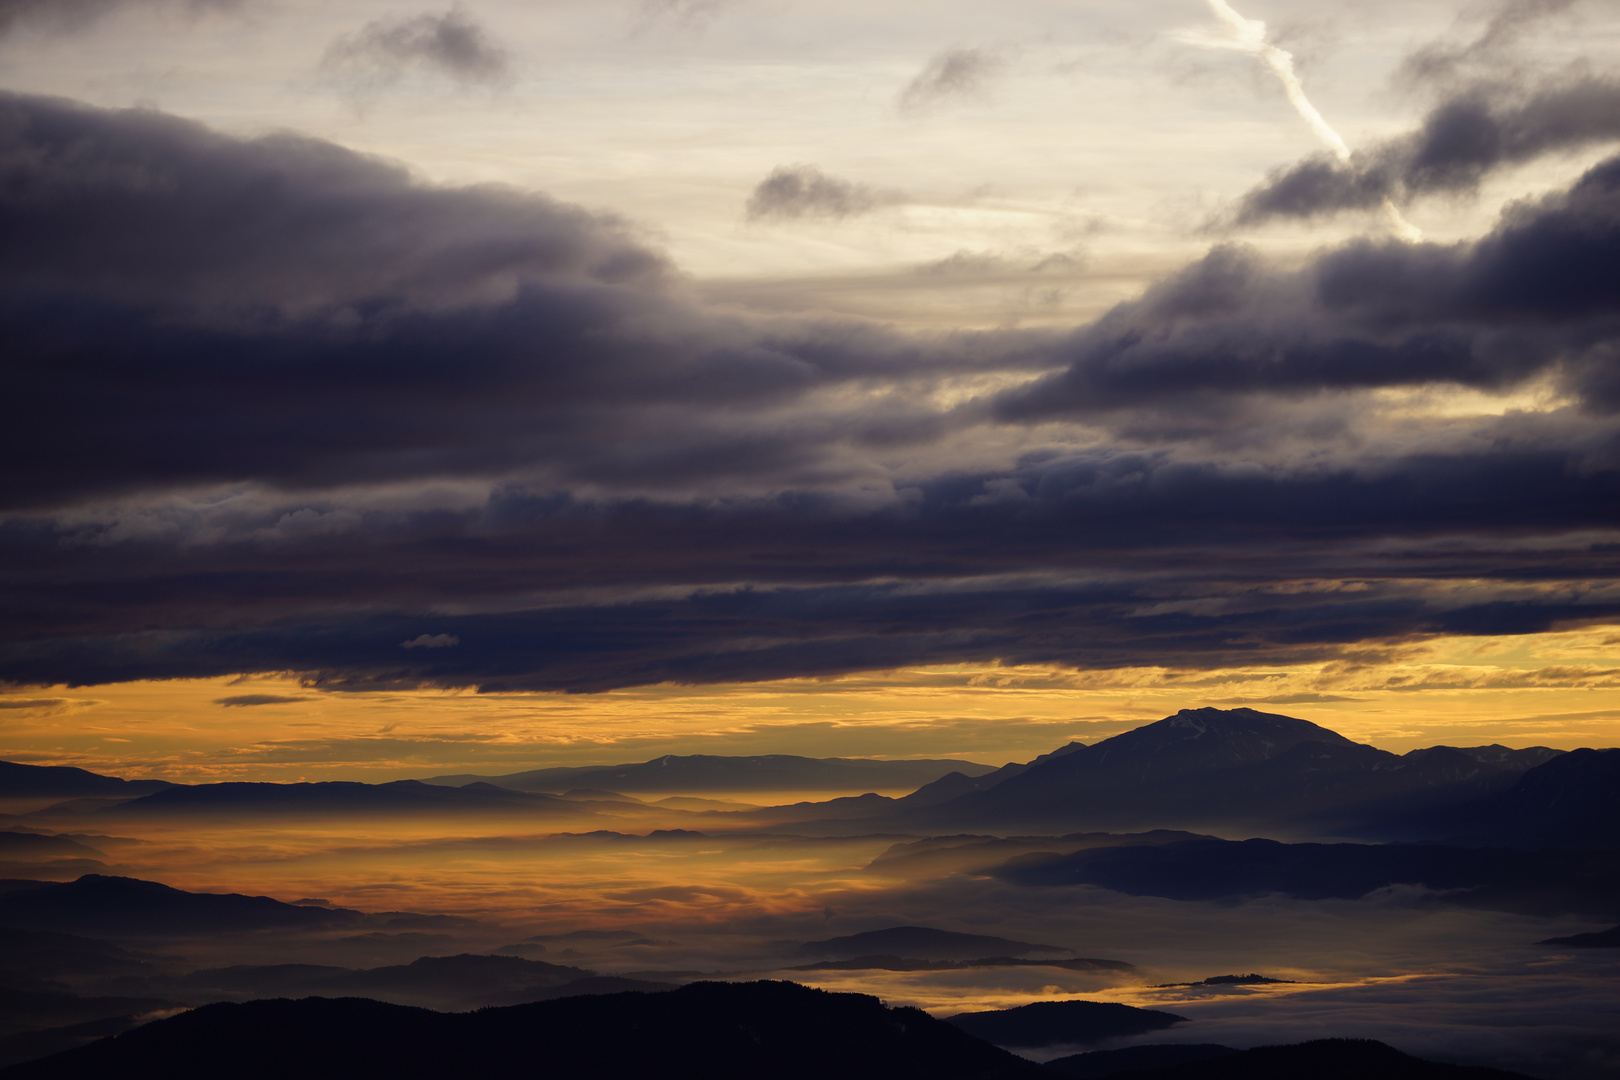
[
  {"x": 1539, "y": 882},
  {"x": 1322, "y": 1059},
  {"x": 704, "y": 1031}
]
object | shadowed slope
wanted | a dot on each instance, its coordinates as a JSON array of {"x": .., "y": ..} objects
[
  {"x": 1324, "y": 1059},
  {"x": 705, "y": 1030}
]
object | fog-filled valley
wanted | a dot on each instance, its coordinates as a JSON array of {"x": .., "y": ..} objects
[{"x": 1419, "y": 912}]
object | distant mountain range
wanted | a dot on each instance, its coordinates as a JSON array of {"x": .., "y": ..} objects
[
  {"x": 343, "y": 798},
  {"x": 711, "y": 773},
  {"x": 1232, "y": 772}
]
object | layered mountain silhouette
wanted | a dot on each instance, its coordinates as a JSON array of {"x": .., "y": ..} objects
[
  {"x": 703, "y": 1031},
  {"x": 466, "y": 981},
  {"x": 119, "y": 906},
  {"x": 706, "y": 772}
]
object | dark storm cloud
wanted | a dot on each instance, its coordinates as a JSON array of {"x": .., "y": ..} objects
[
  {"x": 796, "y": 191},
  {"x": 1535, "y": 296},
  {"x": 270, "y": 405},
  {"x": 451, "y": 44},
  {"x": 1460, "y": 142},
  {"x": 953, "y": 74},
  {"x": 311, "y": 315}
]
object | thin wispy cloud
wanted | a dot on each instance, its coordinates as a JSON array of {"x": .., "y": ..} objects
[{"x": 962, "y": 74}]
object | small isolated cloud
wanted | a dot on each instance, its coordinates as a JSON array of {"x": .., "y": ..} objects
[
  {"x": 452, "y": 45},
  {"x": 953, "y": 74},
  {"x": 239, "y": 701},
  {"x": 431, "y": 641},
  {"x": 34, "y": 703},
  {"x": 796, "y": 191}
]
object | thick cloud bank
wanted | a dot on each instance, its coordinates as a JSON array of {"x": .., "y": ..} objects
[{"x": 274, "y": 405}]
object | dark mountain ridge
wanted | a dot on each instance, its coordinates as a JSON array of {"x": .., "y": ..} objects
[
  {"x": 119, "y": 906},
  {"x": 1539, "y": 882},
  {"x": 1571, "y": 801},
  {"x": 19, "y": 781}
]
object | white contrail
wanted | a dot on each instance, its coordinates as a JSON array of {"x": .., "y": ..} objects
[{"x": 1249, "y": 35}]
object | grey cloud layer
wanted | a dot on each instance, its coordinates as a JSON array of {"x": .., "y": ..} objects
[{"x": 273, "y": 405}]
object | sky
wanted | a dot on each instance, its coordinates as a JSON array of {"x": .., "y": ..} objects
[{"x": 395, "y": 389}]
